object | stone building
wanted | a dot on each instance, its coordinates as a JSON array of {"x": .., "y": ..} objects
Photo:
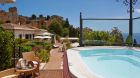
[{"x": 11, "y": 16}]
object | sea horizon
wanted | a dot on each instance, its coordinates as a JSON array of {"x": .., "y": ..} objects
[{"x": 136, "y": 36}]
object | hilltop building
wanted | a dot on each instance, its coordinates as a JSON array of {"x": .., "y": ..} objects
[{"x": 12, "y": 16}]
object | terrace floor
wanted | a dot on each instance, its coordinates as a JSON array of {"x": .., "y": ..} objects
[
  {"x": 56, "y": 73},
  {"x": 54, "y": 68},
  {"x": 56, "y": 60}
]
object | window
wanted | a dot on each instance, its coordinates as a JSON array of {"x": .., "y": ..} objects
[
  {"x": 33, "y": 36},
  {"x": 26, "y": 36},
  {"x": 20, "y": 36},
  {"x": 30, "y": 36}
]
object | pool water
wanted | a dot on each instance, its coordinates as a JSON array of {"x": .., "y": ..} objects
[{"x": 113, "y": 63}]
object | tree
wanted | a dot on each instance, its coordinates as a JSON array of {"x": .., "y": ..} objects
[
  {"x": 48, "y": 17},
  {"x": 43, "y": 27},
  {"x": 65, "y": 28},
  {"x": 111, "y": 40},
  {"x": 129, "y": 40},
  {"x": 58, "y": 19},
  {"x": 56, "y": 28},
  {"x": 33, "y": 17},
  {"x": 65, "y": 32},
  {"x": 117, "y": 34},
  {"x": 6, "y": 49},
  {"x": 66, "y": 24},
  {"x": 41, "y": 16},
  {"x": 77, "y": 32},
  {"x": 71, "y": 31}
]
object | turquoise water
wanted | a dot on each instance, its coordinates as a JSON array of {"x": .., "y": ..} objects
[{"x": 113, "y": 63}]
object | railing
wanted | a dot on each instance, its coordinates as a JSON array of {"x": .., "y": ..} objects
[{"x": 66, "y": 71}]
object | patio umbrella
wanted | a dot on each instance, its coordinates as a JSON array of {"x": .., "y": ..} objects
[
  {"x": 42, "y": 37},
  {"x": 46, "y": 33},
  {"x": 70, "y": 38},
  {"x": 46, "y": 37}
]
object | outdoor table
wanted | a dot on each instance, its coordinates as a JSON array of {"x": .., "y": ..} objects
[{"x": 26, "y": 71}]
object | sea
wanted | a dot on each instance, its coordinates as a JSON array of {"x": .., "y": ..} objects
[{"x": 136, "y": 36}]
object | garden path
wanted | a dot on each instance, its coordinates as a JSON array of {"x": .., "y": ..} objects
[{"x": 56, "y": 59}]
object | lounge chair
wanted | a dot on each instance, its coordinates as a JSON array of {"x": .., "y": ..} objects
[
  {"x": 55, "y": 46},
  {"x": 30, "y": 56},
  {"x": 62, "y": 48}
]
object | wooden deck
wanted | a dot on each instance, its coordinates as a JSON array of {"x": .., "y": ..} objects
[
  {"x": 58, "y": 73},
  {"x": 56, "y": 60},
  {"x": 57, "y": 67}
]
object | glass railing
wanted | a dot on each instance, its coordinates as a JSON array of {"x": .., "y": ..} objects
[{"x": 93, "y": 31}]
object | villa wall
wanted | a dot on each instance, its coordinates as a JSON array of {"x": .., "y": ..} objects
[
  {"x": 24, "y": 33},
  {"x": 21, "y": 31}
]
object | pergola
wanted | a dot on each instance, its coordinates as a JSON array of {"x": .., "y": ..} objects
[{"x": 130, "y": 19}]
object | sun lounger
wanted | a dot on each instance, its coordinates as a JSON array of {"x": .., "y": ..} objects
[{"x": 55, "y": 46}]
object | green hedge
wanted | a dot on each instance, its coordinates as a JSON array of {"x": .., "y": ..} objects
[
  {"x": 25, "y": 48},
  {"x": 6, "y": 49},
  {"x": 43, "y": 55},
  {"x": 129, "y": 40}
]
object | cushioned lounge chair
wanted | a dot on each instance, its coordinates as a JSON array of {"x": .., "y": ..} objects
[{"x": 31, "y": 58}]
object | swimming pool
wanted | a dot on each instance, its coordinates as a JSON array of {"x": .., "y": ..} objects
[{"x": 112, "y": 63}]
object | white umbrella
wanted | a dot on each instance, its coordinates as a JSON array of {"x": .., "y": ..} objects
[
  {"x": 46, "y": 37},
  {"x": 45, "y": 33},
  {"x": 42, "y": 37},
  {"x": 70, "y": 38}
]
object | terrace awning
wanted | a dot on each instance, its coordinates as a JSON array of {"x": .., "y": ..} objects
[
  {"x": 45, "y": 34},
  {"x": 70, "y": 38},
  {"x": 42, "y": 37}
]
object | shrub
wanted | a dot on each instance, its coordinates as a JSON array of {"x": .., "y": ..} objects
[
  {"x": 129, "y": 40},
  {"x": 25, "y": 48},
  {"x": 32, "y": 44},
  {"x": 47, "y": 46},
  {"x": 118, "y": 37},
  {"x": 42, "y": 45},
  {"x": 58, "y": 38},
  {"x": 114, "y": 37},
  {"x": 37, "y": 47},
  {"x": 21, "y": 41},
  {"x": 39, "y": 43},
  {"x": 43, "y": 55},
  {"x": 67, "y": 44},
  {"x": 6, "y": 49}
]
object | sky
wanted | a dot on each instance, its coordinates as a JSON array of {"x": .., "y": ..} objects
[{"x": 90, "y": 9}]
